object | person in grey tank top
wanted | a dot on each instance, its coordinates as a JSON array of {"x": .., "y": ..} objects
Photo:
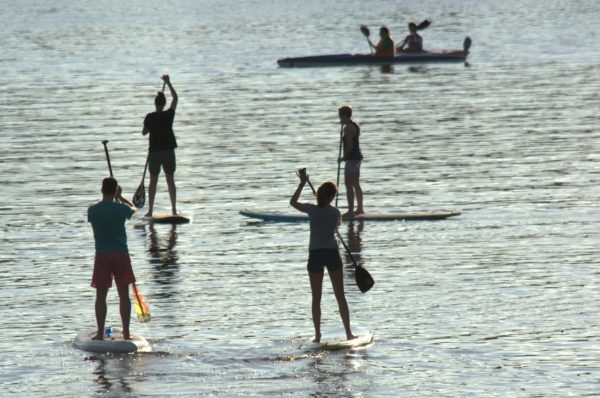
[{"x": 323, "y": 251}]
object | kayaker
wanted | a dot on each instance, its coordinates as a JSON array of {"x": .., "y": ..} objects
[
  {"x": 323, "y": 251},
  {"x": 352, "y": 157},
  {"x": 413, "y": 42},
  {"x": 161, "y": 152},
  {"x": 385, "y": 47},
  {"x": 112, "y": 256}
]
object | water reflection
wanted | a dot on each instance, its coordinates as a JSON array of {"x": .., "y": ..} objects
[
  {"x": 333, "y": 375},
  {"x": 162, "y": 251},
  {"x": 110, "y": 376},
  {"x": 387, "y": 68},
  {"x": 163, "y": 256},
  {"x": 354, "y": 244}
]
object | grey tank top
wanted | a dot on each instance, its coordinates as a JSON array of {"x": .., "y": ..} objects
[{"x": 323, "y": 222}]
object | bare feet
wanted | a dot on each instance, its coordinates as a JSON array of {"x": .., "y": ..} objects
[
  {"x": 350, "y": 336},
  {"x": 149, "y": 214},
  {"x": 359, "y": 212},
  {"x": 128, "y": 337},
  {"x": 98, "y": 336},
  {"x": 317, "y": 338},
  {"x": 349, "y": 214}
]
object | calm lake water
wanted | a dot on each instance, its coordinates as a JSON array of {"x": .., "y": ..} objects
[{"x": 501, "y": 301}]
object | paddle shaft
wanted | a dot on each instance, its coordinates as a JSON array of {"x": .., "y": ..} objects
[
  {"x": 336, "y": 230},
  {"x": 339, "y": 166},
  {"x": 111, "y": 174},
  {"x": 365, "y": 31},
  {"x": 107, "y": 156}
]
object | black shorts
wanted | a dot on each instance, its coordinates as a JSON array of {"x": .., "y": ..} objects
[
  {"x": 164, "y": 158},
  {"x": 318, "y": 259}
]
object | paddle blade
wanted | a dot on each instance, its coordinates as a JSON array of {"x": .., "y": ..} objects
[
  {"x": 466, "y": 45},
  {"x": 141, "y": 307},
  {"x": 364, "y": 280},
  {"x": 423, "y": 24},
  {"x": 365, "y": 30},
  {"x": 139, "y": 198}
]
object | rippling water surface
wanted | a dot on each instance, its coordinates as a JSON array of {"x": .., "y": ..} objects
[{"x": 501, "y": 301}]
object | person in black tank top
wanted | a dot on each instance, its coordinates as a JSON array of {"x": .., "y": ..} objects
[
  {"x": 352, "y": 157},
  {"x": 162, "y": 144}
]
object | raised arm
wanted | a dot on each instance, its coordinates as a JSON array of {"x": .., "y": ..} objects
[
  {"x": 119, "y": 197},
  {"x": 294, "y": 200},
  {"x": 167, "y": 80}
]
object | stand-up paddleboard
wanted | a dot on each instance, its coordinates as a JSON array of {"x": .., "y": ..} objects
[
  {"x": 395, "y": 216},
  {"x": 334, "y": 343},
  {"x": 112, "y": 344},
  {"x": 167, "y": 218}
]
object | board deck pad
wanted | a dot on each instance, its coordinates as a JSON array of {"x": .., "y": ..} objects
[
  {"x": 373, "y": 216},
  {"x": 167, "y": 218},
  {"x": 339, "y": 342},
  {"x": 113, "y": 344}
]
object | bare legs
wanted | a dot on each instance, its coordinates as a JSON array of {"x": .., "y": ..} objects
[
  {"x": 124, "y": 309},
  {"x": 316, "y": 287},
  {"x": 352, "y": 187},
  {"x": 100, "y": 312},
  {"x": 152, "y": 193},
  {"x": 172, "y": 191}
]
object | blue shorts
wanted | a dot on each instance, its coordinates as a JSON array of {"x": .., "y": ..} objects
[{"x": 318, "y": 259}]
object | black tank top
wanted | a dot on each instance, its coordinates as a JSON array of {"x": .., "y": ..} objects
[{"x": 355, "y": 153}]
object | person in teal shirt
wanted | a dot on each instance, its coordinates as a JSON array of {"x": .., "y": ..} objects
[{"x": 112, "y": 256}]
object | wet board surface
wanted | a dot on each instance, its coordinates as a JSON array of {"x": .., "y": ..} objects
[
  {"x": 333, "y": 343},
  {"x": 393, "y": 216},
  {"x": 167, "y": 218},
  {"x": 113, "y": 344}
]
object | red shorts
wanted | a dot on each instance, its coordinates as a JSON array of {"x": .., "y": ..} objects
[{"x": 112, "y": 264}]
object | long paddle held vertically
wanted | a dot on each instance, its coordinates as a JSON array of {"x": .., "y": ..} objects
[
  {"x": 141, "y": 307},
  {"x": 139, "y": 197},
  {"x": 364, "y": 280},
  {"x": 339, "y": 165}
]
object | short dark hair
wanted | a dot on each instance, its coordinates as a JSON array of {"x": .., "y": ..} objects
[
  {"x": 160, "y": 99},
  {"x": 345, "y": 110},
  {"x": 109, "y": 186}
]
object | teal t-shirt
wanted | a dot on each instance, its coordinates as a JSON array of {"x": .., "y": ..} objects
[{"x": 108, "y": 223}]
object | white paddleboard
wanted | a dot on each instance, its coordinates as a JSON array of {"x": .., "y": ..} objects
[
  {"x": 113, "y": 344},
  {"x": 341, "y": 343}
]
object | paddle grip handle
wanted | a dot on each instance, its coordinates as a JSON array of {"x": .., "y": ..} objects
[{"x": 107, "y": 156}]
